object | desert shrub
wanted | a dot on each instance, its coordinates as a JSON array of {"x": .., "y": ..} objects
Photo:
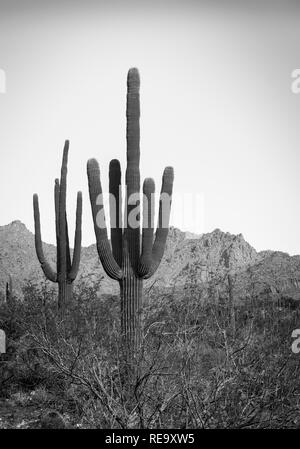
[{"x": 194, "y": 371}]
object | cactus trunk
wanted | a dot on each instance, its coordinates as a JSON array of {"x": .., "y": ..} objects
[
  {"x": 131, "y": 291},
  {"x": 65, "y": 291}
]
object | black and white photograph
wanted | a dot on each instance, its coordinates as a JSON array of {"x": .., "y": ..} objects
[{"x": 150, "y": 218}]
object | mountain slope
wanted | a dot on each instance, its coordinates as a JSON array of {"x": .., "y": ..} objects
[{"x": 202, "y": 262}]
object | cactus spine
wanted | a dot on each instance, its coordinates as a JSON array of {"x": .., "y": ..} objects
[
  {"x": 66, "y": 270},
  {"x": 129, "y": 260}
]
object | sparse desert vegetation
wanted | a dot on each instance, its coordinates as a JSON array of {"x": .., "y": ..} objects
[{"x": 193, "y": 372}]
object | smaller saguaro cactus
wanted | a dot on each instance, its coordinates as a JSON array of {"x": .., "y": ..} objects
[
  {"x": 9, "y": 290},
  {"x": 66, "y": 270}
]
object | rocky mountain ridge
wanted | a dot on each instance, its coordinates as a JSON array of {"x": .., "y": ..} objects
[{"x": 200, "y": 262}]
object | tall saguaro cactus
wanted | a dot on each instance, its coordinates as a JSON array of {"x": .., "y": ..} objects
[
  {"x": 66, "y": 270},
  {"x": 129, "y": 260}
]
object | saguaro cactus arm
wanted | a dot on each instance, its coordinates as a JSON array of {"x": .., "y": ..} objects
[
  {"x": 115, "y": 209},
  {"x": 149, "y": 261},
  {"x": 77, "y": 241},
  {"x": 48, "y": 271},
  {"x": 110, "y": 266},
  {"x": 57, "y": 226},
  {"x": 162, "y": 230},
  {"x": 148, "y": 227},
  {"x": 56, "y": 204},
  {"x": 68, "y": 253}
]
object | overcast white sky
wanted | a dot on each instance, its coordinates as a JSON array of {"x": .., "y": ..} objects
[{"x": 216, "y": 103}]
